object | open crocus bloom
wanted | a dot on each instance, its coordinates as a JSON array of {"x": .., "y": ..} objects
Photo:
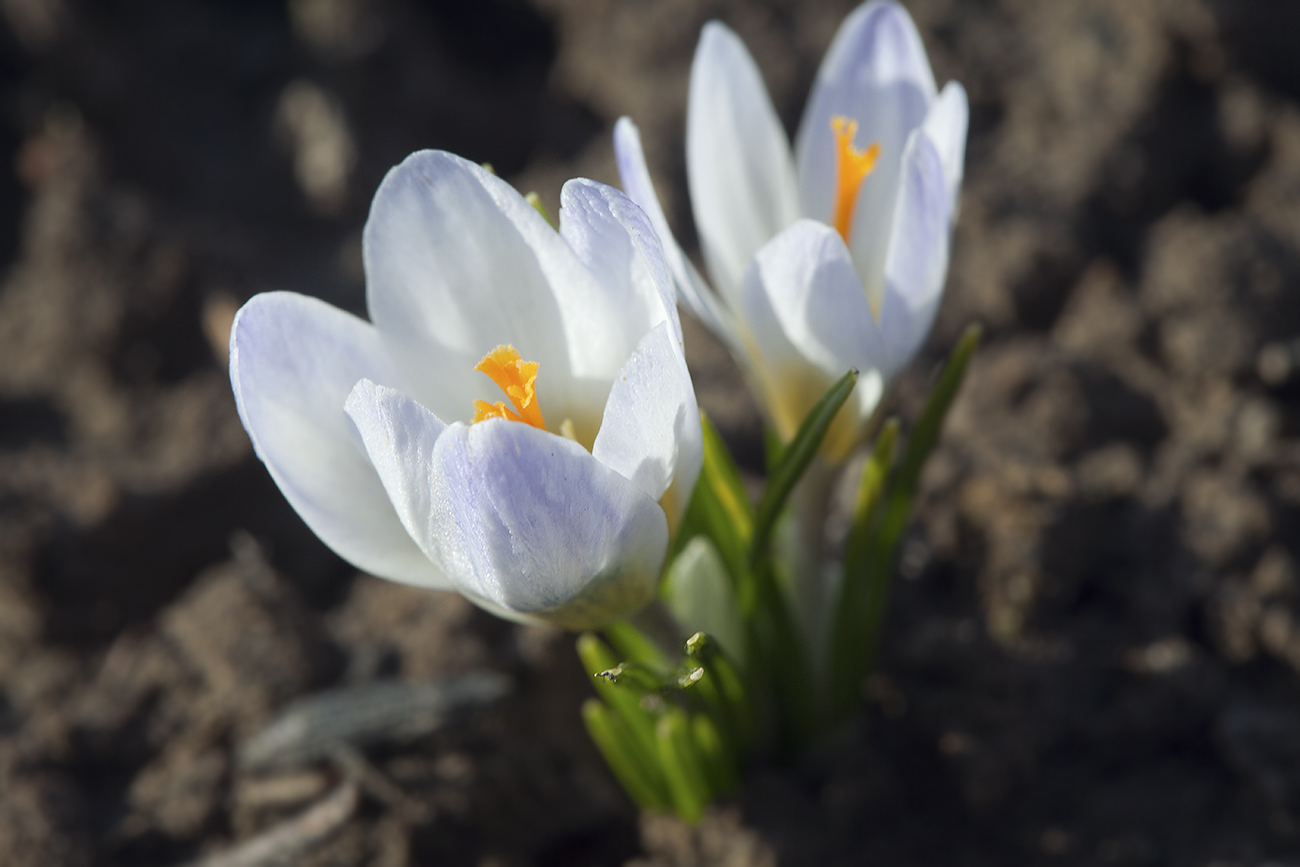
[
  {"x": 516, "y": 422},
  {"x": 835, "y": 256}
]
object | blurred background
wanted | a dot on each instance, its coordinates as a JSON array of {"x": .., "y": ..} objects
[{"x": 1093, "y": 652}]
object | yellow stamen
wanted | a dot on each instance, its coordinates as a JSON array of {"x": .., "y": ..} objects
[
  {"x": 851, "y": 168},
  {"x": 484, "y": 410},
  {"x": 517, "y": 378}
]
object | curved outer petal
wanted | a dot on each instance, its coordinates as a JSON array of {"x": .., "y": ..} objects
[
  {"x": 651, "y": 430},
  {"x": 877, "y": 73},
  {"x": 536, "y": 524},
  {"x": 946, "y": 126},
  {"x": 810, "y": 323},
  {"x": 616, "y": 241},
  {"x": 518, "y": 518},
  {"x": 457, "y": 263},
  {"x": 918, "y": 253},
  {"x": 738, "y": 161},
  {"x": 691, "y": 287},
  {"x": 399, "y": 436},
  {"x": 293, "y": 360}
]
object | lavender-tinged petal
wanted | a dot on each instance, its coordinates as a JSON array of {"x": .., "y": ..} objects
[
  {"x": 534, "y": 524},
  {"x": 615, "y": 240},
  {"x": 946, "y": 126},
  {"x": 293, "y": 360},
  {"x": 875, "y": 72},
  {"x": 458, "y": 263},
  {"x": 738, "y": 162},
  {"x": 399, "y": 436},
  {"x": 810, "y": 323},
  {"x": 692, "y": 290},
  {"x": 918, "y": 253},
  {"x": 449, "y": 276},
  {"x": 651, "y": 430}
]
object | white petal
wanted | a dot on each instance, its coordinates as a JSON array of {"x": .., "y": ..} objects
[
  {"x": 524, "y": 522},
  {"x": 946, "y": 126},
  {"x": 449, "y": 276},
  {"x": 651, "y": 430},
  {"x": 614, "y": 239},
  {"x": 918, "y": 253},
  {"x": 699, "y": 594},
  {"x": 399, "y": 436},
  {"x": 875, "y": 72},
  {"x": 691, "y": 287},
  {"x": 738, "y": 160},
  {"x": 811, "y": 322},
  {"x": 458, "y": 263},
  {"x": 534, "y": 524},
  {"x": 293, "y": 360}
]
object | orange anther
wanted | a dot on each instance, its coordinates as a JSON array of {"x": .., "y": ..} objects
[
  {"x": 517, "y": 378},
  {"x": 851, "y": 168}
]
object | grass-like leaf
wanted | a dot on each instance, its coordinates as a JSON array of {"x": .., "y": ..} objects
[
  {"x": 775, "y": 643},
  {"x": 624, "y": 701},
  {"x": 633, "y": 644},
  {"x": 723, "y": 690},
  {"x": 616, "y": 743},
  {"x": 717, "y": 758},
  {"x": 719, "y": 508},
  {"x": 862, "y": 610},
  {"x": 682, "y": 765},
  {"x": 795, "y": 458},
  {"x": 849, "y": 641}
]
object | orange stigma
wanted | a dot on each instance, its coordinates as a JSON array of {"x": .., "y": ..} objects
[
  {"x": 851, "y": 168},
  {"x": 517, "y": 378}
]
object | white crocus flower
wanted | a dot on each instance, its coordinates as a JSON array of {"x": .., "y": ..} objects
[
  {"x": 835, "y": 256},
  {"x": 554, "y": 504}
]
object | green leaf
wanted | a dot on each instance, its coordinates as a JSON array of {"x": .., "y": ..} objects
[
  {"x": 925, "y": 435},
  {"x": 682, "y": 767},
  {"x": 644, "y": 681},
  {"x": 723, "y": 689},
  {"x": 719, "y": 508},
  {"x": 724, "y": 477},
  {"x": 776, "y": 645},
  {"x": 633, "y": 644},
  {"x": 874, "y": 566},
  {"x": 625, "y": 700},
  {"x": 849, "y": 640},
  {"x": 703, "y": 649},
  {"x": 773, "y": 449},
  {"x": 610, "y": 733},
  {"x": 795, "y": 459},
  {"x": 778, "y": 651},
  {"x": 648, "y": 672},
  {"x": 875, "y": 472},
  {"x": 716, "y": 760}
]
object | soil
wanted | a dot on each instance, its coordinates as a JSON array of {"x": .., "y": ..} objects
[{"x": 1093, "y": 654}]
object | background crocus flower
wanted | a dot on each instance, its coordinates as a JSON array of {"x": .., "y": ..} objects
[
  {"x": 516, "y": 422},
  {"x": 831, "y": 257}
]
